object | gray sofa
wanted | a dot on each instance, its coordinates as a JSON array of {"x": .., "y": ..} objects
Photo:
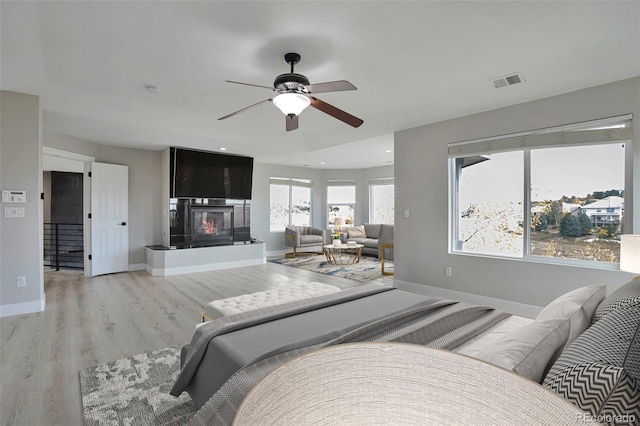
[{"x": 371, "y": 236}]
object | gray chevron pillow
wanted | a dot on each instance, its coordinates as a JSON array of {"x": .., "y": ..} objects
[
  {"x": 628, "y": 294},
  {"x": 600, "y": 371},
  {"x": 605, "y": 391}
]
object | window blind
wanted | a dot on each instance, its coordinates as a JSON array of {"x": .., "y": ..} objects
[
  {"x": 381, "y": 181},
  {"x": 615, "y": 129},
  {"x": 341, "y": 182},
  {"x": 304, "y": 183}
]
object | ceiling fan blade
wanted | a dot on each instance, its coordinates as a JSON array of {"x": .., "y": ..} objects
[
  {"x": 335, "y": 112},
  {"x": 330, "y": 86},
  {"x": 291, "y": 122},
  {"x": 244, "y": 109},
  {"x": 249, "y": 84}
]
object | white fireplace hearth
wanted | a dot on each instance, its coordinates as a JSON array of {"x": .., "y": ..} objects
[{"x": 162, "y": 261}]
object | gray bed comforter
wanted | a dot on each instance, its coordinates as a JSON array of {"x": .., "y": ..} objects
[{"x": 227, "y": 357}]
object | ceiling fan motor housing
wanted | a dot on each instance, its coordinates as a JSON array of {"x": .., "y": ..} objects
[{"x": 290, "y": 81}]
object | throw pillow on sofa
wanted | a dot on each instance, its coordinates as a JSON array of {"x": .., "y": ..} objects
[
  {"x": 372, "y": 230},
  {"x": 356, "y": 232}
]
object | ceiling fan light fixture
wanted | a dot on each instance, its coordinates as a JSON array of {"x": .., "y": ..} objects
[{"x": 291, "y": 103}]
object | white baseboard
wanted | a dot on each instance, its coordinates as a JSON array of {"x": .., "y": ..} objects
[
  {"x": 159, "y": 272},
  {"x": 136, "y": 267},
  {"x": 22, "y": 308},
  {"x": 515, "y": 308}
]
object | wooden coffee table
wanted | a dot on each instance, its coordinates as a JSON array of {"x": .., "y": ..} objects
[{"x": 345, "y": 254}]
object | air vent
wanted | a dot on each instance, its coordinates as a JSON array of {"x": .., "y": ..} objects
[{"x": 508, "y": 80}]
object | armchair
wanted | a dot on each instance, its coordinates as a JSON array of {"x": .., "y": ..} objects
[{"x": 303, "y": 236}]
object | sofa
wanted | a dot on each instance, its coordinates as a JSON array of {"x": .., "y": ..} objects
[{"x": 371, "y": 236}]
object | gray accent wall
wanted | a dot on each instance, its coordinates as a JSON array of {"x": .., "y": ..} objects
[
  {"x": 421, "y": 182},
  {"x": 21, "y": 246}
]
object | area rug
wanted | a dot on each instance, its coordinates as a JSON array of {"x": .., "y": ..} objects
[
  {"x": 366, "y": 270},
  {"x": 135, "y": 391}
]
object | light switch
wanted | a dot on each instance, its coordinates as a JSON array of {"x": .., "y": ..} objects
[
  {"x": 406, "y": 213},
  {"x": 14, "y": 212}
]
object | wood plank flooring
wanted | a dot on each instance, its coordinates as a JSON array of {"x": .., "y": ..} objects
[{"x": 90, "y": 321}]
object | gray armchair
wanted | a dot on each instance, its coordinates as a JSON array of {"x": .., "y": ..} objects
[{"x": 303, "y": 236}]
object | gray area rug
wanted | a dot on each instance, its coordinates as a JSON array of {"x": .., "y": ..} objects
[
  {"x": 135, "y": 391},
  {"x": 366, "y": 270}
]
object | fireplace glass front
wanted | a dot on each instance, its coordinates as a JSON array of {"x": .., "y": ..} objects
[{"x": 211, "y": 225}]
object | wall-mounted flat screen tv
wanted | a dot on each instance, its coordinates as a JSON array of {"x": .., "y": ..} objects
[{"x": 202, "y": 174}]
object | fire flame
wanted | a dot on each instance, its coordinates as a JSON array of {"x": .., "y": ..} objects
[{"x": 210, "y": 227}]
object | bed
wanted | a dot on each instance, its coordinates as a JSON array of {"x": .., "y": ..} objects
[{"x": 227, "y": 357}]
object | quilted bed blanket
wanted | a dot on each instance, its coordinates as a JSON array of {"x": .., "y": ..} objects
[{"x": 228, "y": 356}]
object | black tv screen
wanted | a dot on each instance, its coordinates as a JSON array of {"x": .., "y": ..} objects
[{"x": 202, "y": 174}]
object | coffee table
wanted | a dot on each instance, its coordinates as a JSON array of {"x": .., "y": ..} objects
[{"x": 345, "y": 254}]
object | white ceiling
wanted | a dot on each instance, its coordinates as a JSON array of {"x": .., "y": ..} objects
[{"x": 413, "y": 62}]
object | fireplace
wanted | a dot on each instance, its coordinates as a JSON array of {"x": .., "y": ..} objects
[
  {"x": 211, "y": 225},
  {"x": 197, "y": 222}
]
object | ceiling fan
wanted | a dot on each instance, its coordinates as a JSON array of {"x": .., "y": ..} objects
[{"x": 295, "y": 94}]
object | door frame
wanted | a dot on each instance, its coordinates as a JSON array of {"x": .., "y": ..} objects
[{"x": 54, "y": 159}]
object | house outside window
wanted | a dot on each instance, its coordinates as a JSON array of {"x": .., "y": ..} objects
[
  {"x": 341, "y": 202},
  {"x": 555, "y": 181},
  {"x": 290, "y": 202},
  {"x": 381, "y": 200}
]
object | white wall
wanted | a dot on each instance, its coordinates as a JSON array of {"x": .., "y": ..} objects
[
  {"x": 21, "y": 246},
  {"x": 421, "y": 182}
]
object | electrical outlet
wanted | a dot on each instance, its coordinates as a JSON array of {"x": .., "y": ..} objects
[
  {"x": 448, "y": 271},
  {"x": 21, "y": 281}
]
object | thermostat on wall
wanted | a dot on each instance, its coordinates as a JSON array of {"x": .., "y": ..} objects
[{"x": 14, "y": 196}]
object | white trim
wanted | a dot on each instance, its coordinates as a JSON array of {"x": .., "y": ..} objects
[
  {"x": 22, "y": 308},
  {"x": 515, "y": 308},
  {"x": 136, "y": 267},
  {"x": 66, "y": 154},
  {"x": 165, "y": 272}
]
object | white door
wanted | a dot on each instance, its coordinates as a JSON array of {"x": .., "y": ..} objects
[{"x": 109, "y": 218}]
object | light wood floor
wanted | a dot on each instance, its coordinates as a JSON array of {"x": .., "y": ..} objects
[{"x": 90, "y": 321}]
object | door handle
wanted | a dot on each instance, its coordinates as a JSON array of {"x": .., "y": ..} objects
[{"x": 124, "y": 223}]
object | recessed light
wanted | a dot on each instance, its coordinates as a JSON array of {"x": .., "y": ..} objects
[
  {"x": 387, "y": 150},
  {"x": 323, "y": 162},
  {"x": 222, "y": 148}
]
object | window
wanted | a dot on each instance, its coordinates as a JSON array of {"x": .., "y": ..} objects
[
  {"x": 341, "y": 201},
  {"x": 555, "y": 180},
  {"x": 381, "y": 196},
  {"x": 290, "y": 203}
]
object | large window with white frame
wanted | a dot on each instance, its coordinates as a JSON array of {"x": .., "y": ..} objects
[
  {"x": 381, "y": 200},
  {"x": 341, "y": 202},
  {"x": 566, "y": 184},
  {"x": 290, "y": 202}
]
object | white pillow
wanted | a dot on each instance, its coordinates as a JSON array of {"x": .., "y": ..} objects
[
  {"x": 578, "y": 306},
  {"x": 530, "y": 349}
]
